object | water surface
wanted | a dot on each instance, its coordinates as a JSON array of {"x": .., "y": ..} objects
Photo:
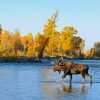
[{"x": 37, "y": 81}]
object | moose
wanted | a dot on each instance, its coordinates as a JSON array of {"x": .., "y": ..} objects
[{"x": 70, "y": 68}]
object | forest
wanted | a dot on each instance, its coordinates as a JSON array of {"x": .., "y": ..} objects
[{"x": 64, "y": 43}]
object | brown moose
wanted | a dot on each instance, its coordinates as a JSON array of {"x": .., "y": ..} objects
[{"x": 70, "y": 68}]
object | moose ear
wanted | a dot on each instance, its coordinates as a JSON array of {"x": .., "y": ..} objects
[{"x": 53, "y": 63}]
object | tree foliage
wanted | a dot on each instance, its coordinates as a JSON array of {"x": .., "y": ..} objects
[
  {"x": 60, "y": 43},
  {"x": 94, "y": 52}
]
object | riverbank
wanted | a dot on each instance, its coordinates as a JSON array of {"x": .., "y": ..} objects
[
  {"x": 21, "y": 59},
  {"x": 73, "y": 58}
]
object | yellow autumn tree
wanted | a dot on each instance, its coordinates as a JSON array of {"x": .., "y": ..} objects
[
  {"x": 17, "y": 42},
  {"x": 51, "y": 42},
  {"x": 5, "y": 46},
  {"x": 49, "y": 27},
  {"x": 39, "y": 41},
  {"x": 28, "y": 44},
  {"x": 51, "y": 33},
  {"x": 53, "y": 45},
  {"x": 67, "y": 37}
]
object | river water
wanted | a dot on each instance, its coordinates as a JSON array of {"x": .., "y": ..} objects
[{"x": 37, "y": 81}]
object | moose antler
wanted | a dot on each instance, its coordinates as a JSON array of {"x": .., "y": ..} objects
[
  {"x": 60, "y": 60},
  {"x": 53, "y": 63}
]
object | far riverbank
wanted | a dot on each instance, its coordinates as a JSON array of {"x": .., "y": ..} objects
[{"x": 22, "y": 59}]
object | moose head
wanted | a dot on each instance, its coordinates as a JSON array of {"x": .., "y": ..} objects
[{"x": 59, "y": 66}]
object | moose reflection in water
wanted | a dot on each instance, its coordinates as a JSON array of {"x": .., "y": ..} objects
[
  {"x": 70, "y": 68},
  {"x": 69, "y": 88}
]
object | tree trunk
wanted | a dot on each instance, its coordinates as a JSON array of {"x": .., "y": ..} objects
[{"x": 40, "y": 54}]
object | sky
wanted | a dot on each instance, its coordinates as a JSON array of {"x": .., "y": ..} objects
[{"x": 31, "y": 15}]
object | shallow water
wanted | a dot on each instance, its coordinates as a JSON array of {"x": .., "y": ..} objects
[{"x": 37, "y": 81}]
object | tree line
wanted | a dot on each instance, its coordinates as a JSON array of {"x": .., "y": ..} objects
[{"x": 60, "y": 43}]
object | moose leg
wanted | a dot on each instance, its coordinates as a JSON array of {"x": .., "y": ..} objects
[
  {"x": 70, "y": 76},
  {"x": 89, "y": 76},
  {"x": 64, "y": 75},
  {"x": 83, "y": 77}
]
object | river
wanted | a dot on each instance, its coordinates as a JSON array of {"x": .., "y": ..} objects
[{"x": 37, "y": 81}]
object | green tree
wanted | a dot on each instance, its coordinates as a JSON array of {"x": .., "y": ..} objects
[
  {"x": 78, "y": 45},
  {"x": 97, "y": 49},
  {"x": 97, "y": 45}
]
